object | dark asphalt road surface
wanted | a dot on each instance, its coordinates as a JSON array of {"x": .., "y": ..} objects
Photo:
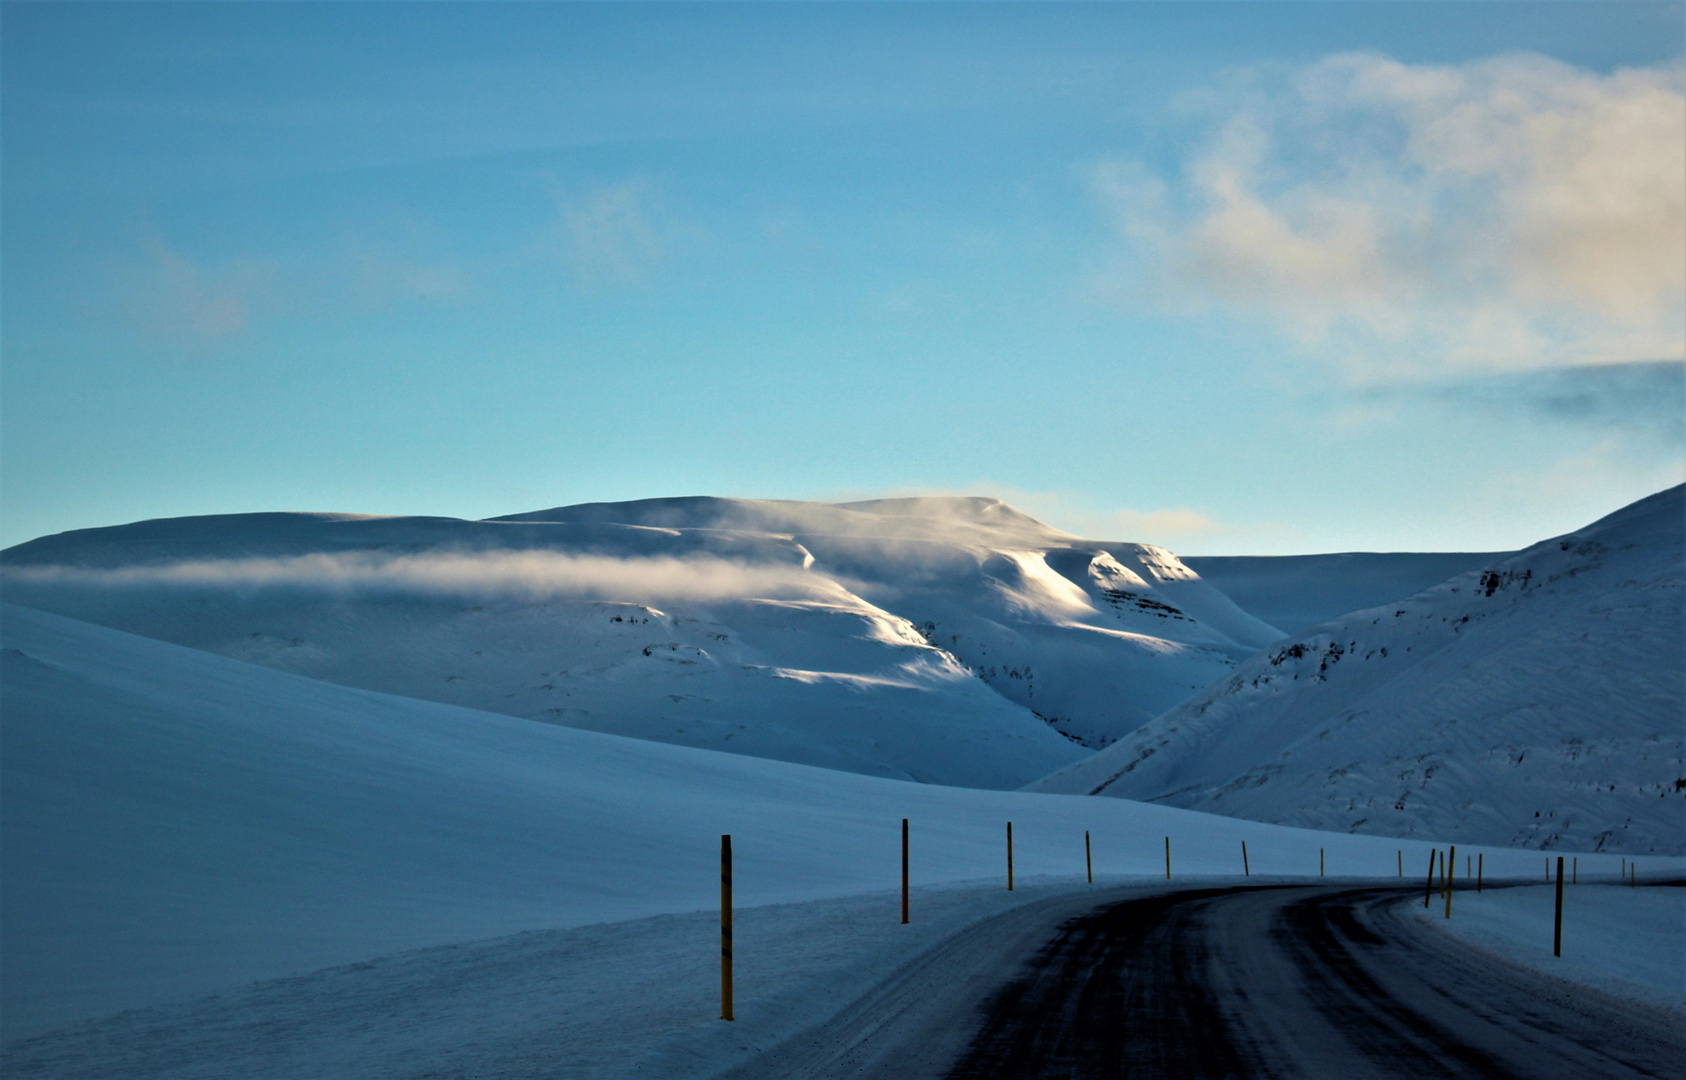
[
  {"x": 1297, "y": 982},
  {"x": 1285, "y": 981}
]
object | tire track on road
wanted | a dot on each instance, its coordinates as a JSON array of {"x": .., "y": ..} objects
[
  {"x": 1293, "y": 981},
  {"x": 1296, "y": 982}
]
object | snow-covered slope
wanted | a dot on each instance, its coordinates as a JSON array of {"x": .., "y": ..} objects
[
  {"x": 1096, "y": 637},
  {"x": 1296, "y": 592},
  {"x": 945, "y": 640},
  {"x": 1538, "y": 702},
  {"x": 173, "y": 822}
]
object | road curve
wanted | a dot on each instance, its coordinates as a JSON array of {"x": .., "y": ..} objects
[{"x": 1285, "y": 981}]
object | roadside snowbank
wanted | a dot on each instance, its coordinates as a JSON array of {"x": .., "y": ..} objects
[
  {"x": 1629, "y": 942},
  {"x": 590, "y": 1003}
]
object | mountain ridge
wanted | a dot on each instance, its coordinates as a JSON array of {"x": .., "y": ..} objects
[
  {"x": 1539, "y": 701},
  {"x": 842, "y": 635}
]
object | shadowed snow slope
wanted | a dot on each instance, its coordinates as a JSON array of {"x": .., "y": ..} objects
[
  {"x": 1296, "y": 592},
  {"x": 1538, "y": 702},
  {"x": 173, "y": 822},
  {"x": 951, "y": 641}
]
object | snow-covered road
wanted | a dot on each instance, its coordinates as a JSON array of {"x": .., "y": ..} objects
[
  {"x": 1206, "y": 978},
  {"x": 1287, "y": 980}
]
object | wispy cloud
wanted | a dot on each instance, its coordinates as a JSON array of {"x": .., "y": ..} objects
[
  {"x": 380, "y": 273},
  {"x": 610, "y": 233},
  {"x": 1643, "y": 398},
  {"x": 531, "y": 574},
  {"x": 1169, "y": 527},
  {"x": 1416, "y": 221},
  {"x": 1568, "y": 491},
  {"x": 197, "y": 304},
  {"x": 1079, "y": 515},
  {"x": 1177, "y": 528},
  {"x": 192, "y": 304}
]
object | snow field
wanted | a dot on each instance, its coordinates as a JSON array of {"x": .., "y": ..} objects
[
  {"x": 1625, "y": 941},
  {"x": 175, "y": 824},
  {"x": 639, "y": 997}
]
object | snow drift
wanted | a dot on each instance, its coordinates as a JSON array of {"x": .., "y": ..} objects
[
  {"x": 951, "y": 641},
  {"x": 1539, "y": 702}
]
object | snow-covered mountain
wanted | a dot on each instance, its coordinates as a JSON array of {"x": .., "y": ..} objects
[
  {"x": 952, "y": 641},
  {"x": 174, "y": 823},
  {"x": 1296, "y": 592},
  {"x": 1540, "y": 701}
]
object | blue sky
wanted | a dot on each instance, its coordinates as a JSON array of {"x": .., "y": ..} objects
[{"x": 1234, "y": 278}]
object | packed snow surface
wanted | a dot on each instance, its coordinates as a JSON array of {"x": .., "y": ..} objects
[
  {"x": 174, "y": 823},
  {"x": 1538, "y": 702},
  {"x": 951, "y": 641},
  {"x": 1627, "y": 941},
  {"x": 632, "y": 998},
  {"x": 1296, "y": 592}
]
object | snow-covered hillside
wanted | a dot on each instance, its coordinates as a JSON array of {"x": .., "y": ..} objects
[
  {"x": 1296, "y": 592},
  {"x": 1538, "y": 702},
  {"x": 173, "y": 822},
  {"x": 951, "y": 641}
]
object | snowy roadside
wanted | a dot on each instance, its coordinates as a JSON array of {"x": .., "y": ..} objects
[
  {"x": 177, "y": 824},
  {"x": 1627, "y": 942},
  {"x": 636, "y": 998}
]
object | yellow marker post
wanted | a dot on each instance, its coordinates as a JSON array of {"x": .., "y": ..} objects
[
  {"x": 1009, "y": 856},
  {"x": 1575, "y": 870},
  {"x": 1167, "y": 858},
  {"x": 1401, "y": 862},
  {"x": 726, "y": 926},
  {"x": 1319, "y": 862},
  {"x": 1245, "y": 870},
  {"x": 1088, "y": 860},
  {"x": 1451, "y": 869},
  {"x": 1479, "y": 859},
  {"x": 1428, "y": 890},
  {"x": 904, "y": 871}
]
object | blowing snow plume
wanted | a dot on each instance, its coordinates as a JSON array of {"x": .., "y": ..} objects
[
  {"x": 949, "y": 640},
  {"x": 532, "y": 575},
  {"x": 1536, "y": 702}
]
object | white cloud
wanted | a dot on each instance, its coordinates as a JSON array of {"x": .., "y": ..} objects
[
  {"x": 1167, "y": 528},
  {"x": 610, "y": 234},
  {"x": 195, "y": 305},
  {"x": 379, "y": 273},
  {"x": 1078, "y": 515},
  {"x": 1426, "y": 220}
]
